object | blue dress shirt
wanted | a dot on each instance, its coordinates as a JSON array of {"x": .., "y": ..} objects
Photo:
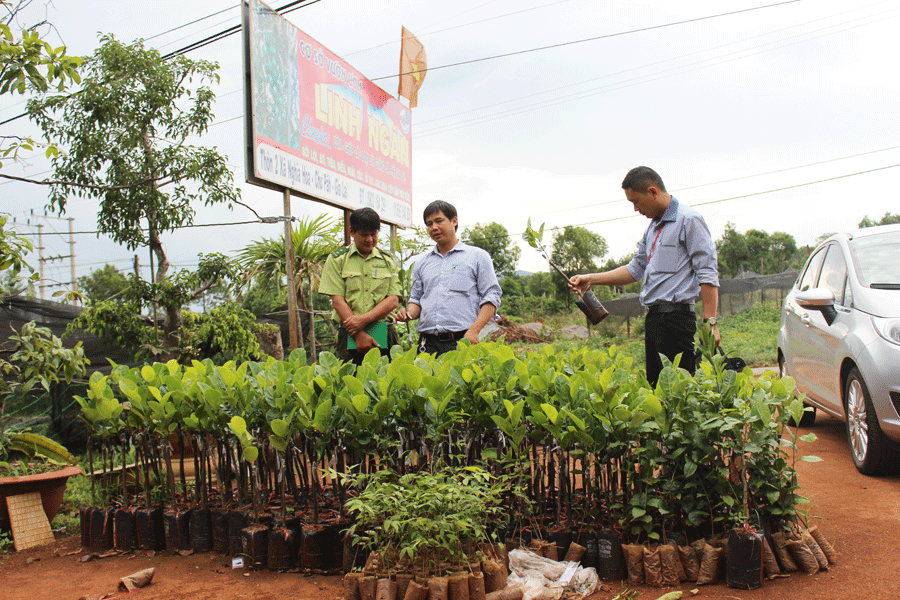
[
  {"x": 451, "y": 288},
  {"x": 675, "y": 255}
]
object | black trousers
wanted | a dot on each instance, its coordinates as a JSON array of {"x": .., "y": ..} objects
[
  {"x": 437, "y": 345},
  {"x": 669, "y": 334}
]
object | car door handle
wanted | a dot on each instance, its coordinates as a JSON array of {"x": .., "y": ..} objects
[{"x": 805, "y": 319}]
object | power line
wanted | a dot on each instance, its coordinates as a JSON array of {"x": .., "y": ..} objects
[
  {"x": 718, "y": 201},
  {"x": 287, "y": 8},
  {"x": 642, "y": 79},
  {"x": 209, "y": 16},
  {"x": 670, "y": 59},
  {"x": 593, "y": 39},
  {"x": 700, "y": 185}
]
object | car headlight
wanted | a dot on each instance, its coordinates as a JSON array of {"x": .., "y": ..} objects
[{"x": 889, "y": 329}]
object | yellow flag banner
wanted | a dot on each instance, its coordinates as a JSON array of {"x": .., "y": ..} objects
[{"x": 413, "y": 66}]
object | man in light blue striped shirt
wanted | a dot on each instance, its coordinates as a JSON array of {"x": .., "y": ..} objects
[
  {"x": 455, "y": 291},
  {"x": 676, "y": 263}
]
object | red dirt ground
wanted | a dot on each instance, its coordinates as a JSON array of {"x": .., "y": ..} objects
[{"x": 859, "y": 515}]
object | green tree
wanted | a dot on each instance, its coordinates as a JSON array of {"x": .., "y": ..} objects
[
  {"x": 887, "y": 219},
  {"x": 540, "y": 284},
  {"x": 103, "y": 284},
  {"x": 759, "y": 245},
  {"x": 28, "y": 64},
  {"x": 495, "y": 239},
  {"x": 575, "y": 249},
  {"x": 732, "y": 251},
  {"x": 126, "y": 139},
  {"x": 260, "y": 300},
  {"x": 784, "y": 249}
]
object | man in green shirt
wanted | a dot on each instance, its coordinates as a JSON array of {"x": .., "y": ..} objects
[{"x": 364, "y": 288}]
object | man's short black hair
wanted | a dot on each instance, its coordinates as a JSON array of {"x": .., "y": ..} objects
[
  {"x": 365, "y": 219},
  {"x": 640, "y": 179},
  {"x": 440, "y": 206}
]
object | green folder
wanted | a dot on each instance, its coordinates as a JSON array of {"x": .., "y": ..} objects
[{"x": 378, "y": 330}]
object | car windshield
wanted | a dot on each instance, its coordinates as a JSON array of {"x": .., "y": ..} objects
[{"x": 876, "y": 261}]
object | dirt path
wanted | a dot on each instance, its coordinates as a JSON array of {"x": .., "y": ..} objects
[{"x": 860, "y": 516}]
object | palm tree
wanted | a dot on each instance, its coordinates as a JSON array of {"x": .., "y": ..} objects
[{"x": 264, "y": 261}]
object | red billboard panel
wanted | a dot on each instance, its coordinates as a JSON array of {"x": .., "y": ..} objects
[{"x": 317, "y": 126}]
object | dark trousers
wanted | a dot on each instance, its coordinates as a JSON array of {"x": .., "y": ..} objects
[
  {"x": 669, "y": 334},
  {"x": 439, "y": 344},
  {"x": 356, "y": 356}
]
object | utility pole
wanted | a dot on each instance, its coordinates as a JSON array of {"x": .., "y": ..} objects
[
  {"x": 43, "y": 285},
  {"x": 72, "y": 252},
  {"x": 42, "y": 259}
]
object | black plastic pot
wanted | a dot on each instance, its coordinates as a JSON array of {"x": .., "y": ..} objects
[
  {"x": 178, "y": 531},
  {"x": 102, "y": 530},
  {"x": 151, "y": 531},
  {"x": 610, "y": 560},
  {"x": 125, "y": 530},
  {"x": 317, "y": 547},
  {"x": 744, "y": 566},
  {"x": 591, "y": 551},
  {"x": 562, "y": 539},
  {"x": 201, "y": 530},
  {"x": 237, "y": 520},
  {"x": 219, "y": 529},
  {"x": 255, "y": 546},
  {"x": 280, "y": 554}
]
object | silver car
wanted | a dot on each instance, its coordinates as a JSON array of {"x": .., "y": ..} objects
[{"x": 840, "y": 340}]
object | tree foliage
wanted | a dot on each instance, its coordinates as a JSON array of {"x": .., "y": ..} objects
[
  {"x": 125, "y": 138},
  {"x": 128, "y": 320},
  {"x": 103, "y": 284},
  {"x": 264, "y": 262},
  {"x": 494, "y": 238},
  {"x": 125, "y": 135},
  {"x": 887, "y": 219},
  {"x": 576, "y": 248},
  {"x": 757, "y": 251},
  {"x": 29, "y": 64}
]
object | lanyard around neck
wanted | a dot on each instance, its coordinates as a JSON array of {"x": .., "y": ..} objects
[{"x": 653, "y": 245}]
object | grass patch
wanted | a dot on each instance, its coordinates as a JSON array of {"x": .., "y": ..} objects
[{"x": 751, "y": 334}]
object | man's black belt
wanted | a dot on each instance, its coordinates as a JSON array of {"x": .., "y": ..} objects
[
  {"x": 445, "y": 336},
  {"x": 668, "y": 307}
]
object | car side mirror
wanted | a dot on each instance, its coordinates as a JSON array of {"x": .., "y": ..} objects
[{"x": 819, "y": 299}]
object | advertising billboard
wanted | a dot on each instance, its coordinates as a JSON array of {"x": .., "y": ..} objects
[{"x": 315, "y": 125}]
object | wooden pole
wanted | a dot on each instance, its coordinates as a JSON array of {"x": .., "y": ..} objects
[{"x": 289, "y": 270}]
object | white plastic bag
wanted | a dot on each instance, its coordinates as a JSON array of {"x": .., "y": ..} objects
[{"x": 543, "y": 577}]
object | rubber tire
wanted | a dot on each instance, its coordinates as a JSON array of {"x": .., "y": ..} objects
[
  {"x": 870, "y": 449},
  {"x": 809, "y": 416}
]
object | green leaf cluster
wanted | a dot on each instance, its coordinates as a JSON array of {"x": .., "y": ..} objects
[{"x": 427, "y": 518}]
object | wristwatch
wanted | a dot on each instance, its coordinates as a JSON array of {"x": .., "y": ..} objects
[{"x": 711, "y": 320}]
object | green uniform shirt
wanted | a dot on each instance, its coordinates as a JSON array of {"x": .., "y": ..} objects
[{"x": 363, "y": 282}]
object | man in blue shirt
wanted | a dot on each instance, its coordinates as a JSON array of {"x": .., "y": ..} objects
[
  {"x": 676, "y": 263},
  {"x": 455, "y": 292}
]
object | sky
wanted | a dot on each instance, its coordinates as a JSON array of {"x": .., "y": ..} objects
[{"x": 779, "y": 116}]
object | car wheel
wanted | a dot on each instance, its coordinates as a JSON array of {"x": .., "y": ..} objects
[
  {"x": 870, "y": 449},
  {"x": 809, "y": 412}
]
